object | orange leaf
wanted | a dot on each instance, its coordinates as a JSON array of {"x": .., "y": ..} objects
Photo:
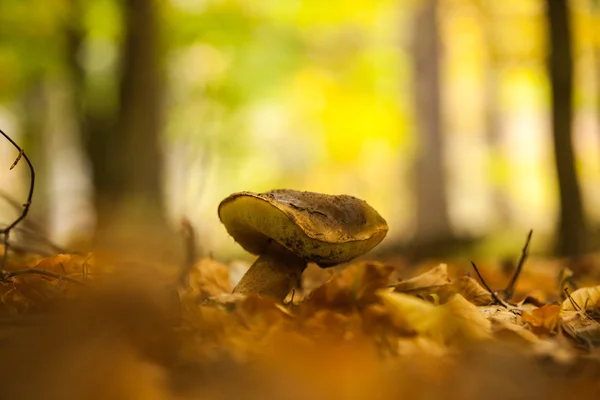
[{"x": 543, "y": 320}]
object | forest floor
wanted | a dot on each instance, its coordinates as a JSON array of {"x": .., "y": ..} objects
[{"x": 78, "y": 326}]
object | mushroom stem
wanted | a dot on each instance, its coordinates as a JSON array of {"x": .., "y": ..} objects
[{"x": 274, "y": 273}]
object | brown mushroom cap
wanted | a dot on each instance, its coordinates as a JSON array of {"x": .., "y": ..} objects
[{"x": 317, "y": 227}]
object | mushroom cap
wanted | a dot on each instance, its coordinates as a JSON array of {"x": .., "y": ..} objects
[{"x": 326, "y": 229}]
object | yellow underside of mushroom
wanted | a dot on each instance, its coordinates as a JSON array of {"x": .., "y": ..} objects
[{"x": 253, "y": 219}]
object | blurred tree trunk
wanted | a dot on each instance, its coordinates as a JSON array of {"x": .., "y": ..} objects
[
  {"x": 432, "y": 222},
  {"x": 572, "y": 230},
  {"x": 94, "y": 125},
  {"x": 127, "y": 161},
  {"x": 124, "y": 149}
]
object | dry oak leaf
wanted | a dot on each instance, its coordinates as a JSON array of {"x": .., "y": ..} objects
[
  {"x": 328, "y": 325},
  {"x": 420, "y": 346},
  {"x": 61, "y": 264},
  {"x": 38, "y": 290},
  {"x": 209, "y": 278},
  {"x": 226, "y": 301},
  {"x": 582, "y": 325},
  {"x": 75, "y": 265},
  {"x": 500, "y": 313},
  {"x": 510, "y": 332},
  {"x": 455, "y": 322},
  {"x": 587, "y": 297},
  {"x": 430, "y": 281},
  {"x": 590, "y": 333},
  {"x": 543, "y": 320},
  {"x": 471, "y": 290},
  {"x": 377, "y": 322},
  {"x": 354, "y": 285}
]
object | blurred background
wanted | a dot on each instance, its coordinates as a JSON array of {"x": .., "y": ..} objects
[{"x": 463, "y": 122}]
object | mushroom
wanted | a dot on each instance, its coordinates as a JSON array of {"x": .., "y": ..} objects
[{"x": 288, "y": 228}]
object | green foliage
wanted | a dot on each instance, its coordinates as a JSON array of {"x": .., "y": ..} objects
[{"x": 30, "y": 42}]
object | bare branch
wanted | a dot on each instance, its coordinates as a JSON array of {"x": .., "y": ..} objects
[
  {"x": 32, "y": 227},
  {"x": 6, "y": 231},
  {"x": 485, "y": 285},
  {"x": 572, "y": 300},
  {"x": 510, "y": 288}
]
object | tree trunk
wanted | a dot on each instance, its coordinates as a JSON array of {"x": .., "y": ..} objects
[
  {"x": 572, "y": 229},
  {"x": 95, "y": 127},
  {"x": 432, "y": 222},
  {"x": 125, "y": 154}
]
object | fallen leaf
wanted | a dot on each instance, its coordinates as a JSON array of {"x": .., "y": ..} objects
[
  {"x": 584, "y": 298},
  {"x": 355, "y": 285},
  {"x": 582, "y": 325},
  {"x": 543, "y": 320},
  {"x": 455, "y": 322},
  {"x": 508, "y": 331},
  {"x": 209, "y": 278},
  {"x": 68, "y": 264},
  {"x": 224, "y": 299},
  {"x": 331, "y": 326},
  {"x": 591, "y": 333},
  {"x": 531, "y": 300},
  {"x": 500, "y": 313},
  {"x": 471, "y": 290},
  {"x": 429, "y": 281},
  {"x": 554, "y": 350},
  {"x": 419, "y": 346}
]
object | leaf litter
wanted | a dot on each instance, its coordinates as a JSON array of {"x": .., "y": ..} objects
[{"x": 367, "y": 330}]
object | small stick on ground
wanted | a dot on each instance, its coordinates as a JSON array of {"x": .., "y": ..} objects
[
  {"x": 35, "y": 271},
  {"x": 6, "y": 231},
  {"x": 496, "y": 299},
  {"x": 507, "y": 293},
  {"x": 191, "y": 253},
  {"x": 572, "y": 300}
]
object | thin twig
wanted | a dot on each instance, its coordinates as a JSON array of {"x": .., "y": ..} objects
[
  {"x": 6, "y": 231},
  {"x": 33, "y": 228},
  {"x": 572, "y": 300},
  {"x": 496, "y": 299},
  {"x": 510, "y": 288},
  {"x": 43, "y": 272}
]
